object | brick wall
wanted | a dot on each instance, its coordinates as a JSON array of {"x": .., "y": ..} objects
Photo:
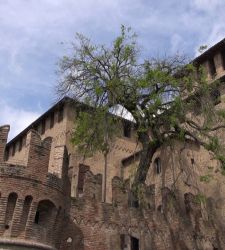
[
  {"x": 179, "y": 224},
  {"x": 33, "y": 202},
  {"x": 4, "y": 130}
]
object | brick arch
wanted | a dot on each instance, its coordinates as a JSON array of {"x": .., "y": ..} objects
[
  {"x": 45, "y": 210},
  {"x": 11, "y": 204},
  {"x": 44, "y": 221},
  {"x": 25, "y": 212}
]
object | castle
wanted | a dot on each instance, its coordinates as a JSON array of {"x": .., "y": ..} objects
[{"x": 52, "y": 198}]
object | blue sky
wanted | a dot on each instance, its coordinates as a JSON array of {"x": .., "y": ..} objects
[{"x": 35, "y": 34}]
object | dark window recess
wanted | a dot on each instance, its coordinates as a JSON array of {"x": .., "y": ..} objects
[
  {"x": 127, "y": 129},
  {"x": 11, "y": 204},
  {"x": 215, "y": 96},
  {"x": 82, "y": 170},
  {"x": 37, "y": 216},
  {"x": 134, "y": 242},
  {"x": 35, "y": 127},
  {"x": 20, "y": 143},
  {"x": 223, "y": 58},
  {"x": 7, "y": 154},
  {"x": 25, "y": 212},
  {"x": 192, "y": 161},
  {"x": 122, "y": 242},
  {"x": 43, "y": 127},
  {"x": 45, "y": 213},
  {"x": 212, "y": 68},
  {"x": 13, "y": 149},
  {"x": 157, "y": 164},
  {"x": 24, "y": 140},
  {"x": 60, "y": 114},
  {"x": 133, "y": 200},
  {"x": 52, "y": 119}
]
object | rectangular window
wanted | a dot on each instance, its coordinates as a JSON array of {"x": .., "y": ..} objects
[
  {"x": 52, "y": 119},
  {"x": 43, "y": 127},
  {"x": 60, "y": 114},
  {"x": 212, "y": 68},
  {"x": 82, "y": 170}
]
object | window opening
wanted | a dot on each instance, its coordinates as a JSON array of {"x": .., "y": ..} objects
[
  {"x": 45, "y": 212},
  {"x": 127, "y": 129},
  {"x": 157, "y": 164},
  {"x": 25, "y": 212},
  {"x": 60, "y": 114},
  {"x": 82, "y": 171},
  {"x": 52, "y": 119},
  {"x": 43, "y": 127},
  {"x": 122, "y": 241},
  {"x": 212, "y": 68},
  {"x": 223, "y": 58},
  {"x": 20, "y": 143},
  {"x": 11, "y": 204},
  {"x": 7, "y": 154},
  {"x": 134, "y": 243},
  {"x": 37, "y": 216},
  {"x": 13, "y": 149}
]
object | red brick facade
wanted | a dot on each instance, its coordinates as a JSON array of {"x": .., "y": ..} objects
[{"x": 36, "y": 211}]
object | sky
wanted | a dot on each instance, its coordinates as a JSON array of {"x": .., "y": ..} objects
[{"x": 34, "y": 35}]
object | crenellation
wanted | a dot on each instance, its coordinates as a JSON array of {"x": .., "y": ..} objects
[{"x": 4, "y": 130}]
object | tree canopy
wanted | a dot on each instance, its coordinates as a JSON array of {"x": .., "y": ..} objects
[{"x": 168, "y": 98}]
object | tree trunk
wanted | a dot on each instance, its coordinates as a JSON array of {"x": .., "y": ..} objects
[{"x": 149, "y": 148}]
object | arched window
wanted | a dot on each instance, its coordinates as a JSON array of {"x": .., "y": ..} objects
[
  {"x": 157, "y": 166},
  {"x": 11, "y": 204},
  {"x": 45, "y": 212},
  {"x": 25, "y": 212}
]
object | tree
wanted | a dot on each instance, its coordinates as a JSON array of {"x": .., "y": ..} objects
[{"x": 169, "y": 98}]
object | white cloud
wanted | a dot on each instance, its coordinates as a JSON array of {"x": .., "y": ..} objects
[
  {"x": 31, "y": 33},
  {"x": 207, "y": 5},
  {"x": 17, "y": 118}
]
